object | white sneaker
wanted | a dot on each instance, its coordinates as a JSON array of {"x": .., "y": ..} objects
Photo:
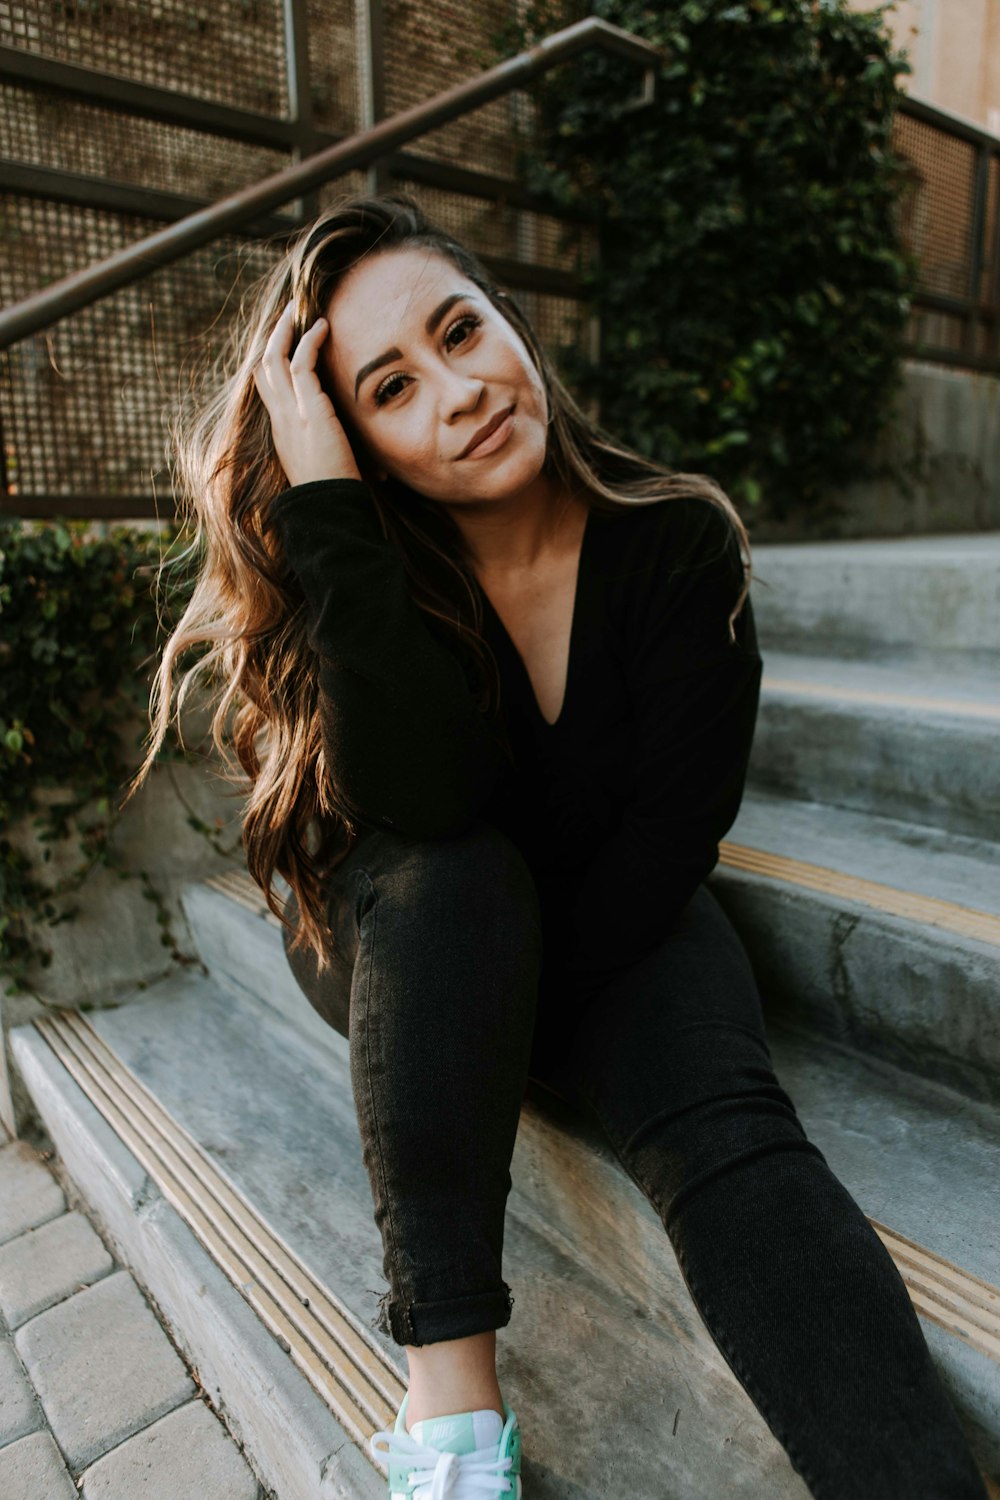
[{"x": 468, "y": 1455}]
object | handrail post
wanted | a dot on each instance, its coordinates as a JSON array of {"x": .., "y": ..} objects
[
  {"x": 370, "y": 53},
  {"x": 992, "y": 349},
  {"x": 981, "y": 174},
  {"x": 646, "y": 95},
  {"x": 300, "y": 105}
]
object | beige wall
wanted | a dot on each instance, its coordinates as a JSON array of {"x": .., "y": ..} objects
[{"x": 953, "y": 47}]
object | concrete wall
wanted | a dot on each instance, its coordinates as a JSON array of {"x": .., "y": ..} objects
[
  {"x": 940, "y": 463},
  {"x": 113, "y": 944},
  {"x": 953, "y": 47}
]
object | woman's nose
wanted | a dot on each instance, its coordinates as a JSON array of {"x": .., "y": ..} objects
[{"x": 459, "y": 394}]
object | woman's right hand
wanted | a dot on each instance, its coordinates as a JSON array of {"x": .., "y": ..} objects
[{"x": 307, "y": 434}]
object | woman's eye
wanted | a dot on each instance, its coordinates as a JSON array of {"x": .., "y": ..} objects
[
  {"x": 389, "y": 388},
  {"x": 470, "y": 318},
  {"x": 385, "y": 390}
]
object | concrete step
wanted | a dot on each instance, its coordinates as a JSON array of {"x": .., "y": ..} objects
[
  {"x": 926, "y": 597},
  {"x": 883, "y": 737},
  {"x": 218, "y": 1143},
  {"x": 873, "y": 931}
]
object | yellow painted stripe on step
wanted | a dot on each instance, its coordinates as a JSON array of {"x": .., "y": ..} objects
[
  {"x": 955, "y": 1299},
  {"x": 322, "y": 1335},
  {"x": 964, "y": 920},
  {"x": 328, "y": 1344},
  {"x": 963, "y": 707},
  {"x": 967, "y": 921},
  {"x": 242, "y": 887}
]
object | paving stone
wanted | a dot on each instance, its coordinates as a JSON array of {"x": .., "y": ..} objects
[
  {"x": 29, "y": 1194},
  {"x": 32, "y": 1469},
  {"x": 187, "y": 1453},
  {"x": 102, "y": 1366},
  {"x": 19, "y": 1411},
  {"x": 48, "y": 1264}
]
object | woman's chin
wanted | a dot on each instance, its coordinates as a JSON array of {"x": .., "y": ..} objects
[{"x": 498, "y": 476}]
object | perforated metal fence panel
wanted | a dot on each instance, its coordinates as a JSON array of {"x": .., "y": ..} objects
[
  {"x": 86, "y": 406},
  {"x": 951, "y": 223},
  {"x": 71, "y": 135},
  {"x": 432, "y": 47},
  {"x": 232, "y": 51},
  {"x": 120, "y": 118}
]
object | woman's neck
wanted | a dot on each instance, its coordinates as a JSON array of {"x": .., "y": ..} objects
[{"x": 523, "y": 534}]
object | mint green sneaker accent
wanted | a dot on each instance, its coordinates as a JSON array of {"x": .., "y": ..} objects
[{"x": 451, "y": 1457}]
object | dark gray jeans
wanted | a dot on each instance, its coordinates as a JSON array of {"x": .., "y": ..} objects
[{"x": 441, "y": 989}]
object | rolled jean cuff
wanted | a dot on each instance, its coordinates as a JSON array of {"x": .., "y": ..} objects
[{"x": 450, "y": 1318}]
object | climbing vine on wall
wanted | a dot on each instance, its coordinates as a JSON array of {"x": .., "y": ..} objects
[
  {"x": 79, "y": 618},
  {"x": 751, "y": 284}
]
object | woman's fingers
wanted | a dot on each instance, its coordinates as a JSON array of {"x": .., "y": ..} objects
[
  {"x": 274, "y": 360},
  {"x": 295, "y": 377},
  {"x": 302, "y": 366},
  {"x": 308, "y": 438}
]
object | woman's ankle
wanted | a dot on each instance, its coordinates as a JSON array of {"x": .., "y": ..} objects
[
  {"x": 452, "y": 1376},
  {"x": 448, "y": 1407}
]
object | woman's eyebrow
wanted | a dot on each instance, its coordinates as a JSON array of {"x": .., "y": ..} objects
[{"x": 391, "y": 354}]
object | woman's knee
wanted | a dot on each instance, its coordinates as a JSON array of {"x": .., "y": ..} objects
[
  {"x": 702, "y": 1102},
  {"x": 467, "y": 880},
  {"x": 326, "y": 989}
]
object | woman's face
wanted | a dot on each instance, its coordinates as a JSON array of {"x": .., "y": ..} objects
[{"x": 420, "y": 361}]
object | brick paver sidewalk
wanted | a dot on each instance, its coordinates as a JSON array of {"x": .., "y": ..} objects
[{"x": 95, "y": 1400}]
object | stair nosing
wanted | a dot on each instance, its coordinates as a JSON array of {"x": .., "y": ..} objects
[
  {"x": 833, "y": 694},
  {"x": 362, "y": 1393},
  {"x": 964, "y": 1304},
  {"x": 934, "y": 911}
]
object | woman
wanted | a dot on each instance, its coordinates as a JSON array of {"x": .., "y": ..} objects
[{"x": 497, "y": 680}]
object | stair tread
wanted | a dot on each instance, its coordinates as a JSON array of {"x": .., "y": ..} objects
[
  {"x": 278, "y": 1116},
  {"x": 910, "y": 857},
  {"x": 670, "y": 1374},
  {"x": 274, "y": 1113},
  {"x": 863, "y": 1112},
  {"x": 895, "y": 681},
  {"x": 965, "y": 547}
]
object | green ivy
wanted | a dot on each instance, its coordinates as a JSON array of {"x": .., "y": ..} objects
[
  {"x": 78, "y": 637},
  {"x": 751, "y": 285}
]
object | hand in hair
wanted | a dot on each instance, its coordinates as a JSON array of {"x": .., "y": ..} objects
[{"x": 306, "y": 431}]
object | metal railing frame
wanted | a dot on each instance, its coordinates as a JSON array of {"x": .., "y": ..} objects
[
  {"x": 299, "y": 135},
  {"x": 319, "y": 156},
  {"x": 361, "y": 150},
  {"x": 971, "y": 309}
]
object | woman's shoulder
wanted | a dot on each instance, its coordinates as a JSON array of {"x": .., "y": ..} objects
[
  {"x": 674, "y": 533},
  {"x": 673, "y": 575}
]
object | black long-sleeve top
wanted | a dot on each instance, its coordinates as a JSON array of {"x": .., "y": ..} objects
[{"x": 619, "y": 806}]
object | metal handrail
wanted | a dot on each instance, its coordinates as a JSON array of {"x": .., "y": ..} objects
[{"x": 82, "y": 288}]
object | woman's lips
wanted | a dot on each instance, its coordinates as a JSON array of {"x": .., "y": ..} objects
[{"x": 496, "y": 439}]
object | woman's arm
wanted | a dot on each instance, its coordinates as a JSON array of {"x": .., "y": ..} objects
[
  {"x": 403, "y": 740},
  {"x": 695, "y": 700}
]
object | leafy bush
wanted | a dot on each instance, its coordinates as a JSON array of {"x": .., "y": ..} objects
[
  {"x": 78, "y": 630},
  {"x": 751, "y": 285}
]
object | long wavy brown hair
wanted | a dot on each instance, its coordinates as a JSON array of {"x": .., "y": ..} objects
[{"x": 246, "y": 605}]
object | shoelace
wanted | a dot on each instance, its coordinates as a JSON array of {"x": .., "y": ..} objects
[{"x": 447, "y": 1476}]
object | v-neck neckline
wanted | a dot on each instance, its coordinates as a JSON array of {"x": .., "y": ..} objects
[{"x": 578, "y": 610}]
